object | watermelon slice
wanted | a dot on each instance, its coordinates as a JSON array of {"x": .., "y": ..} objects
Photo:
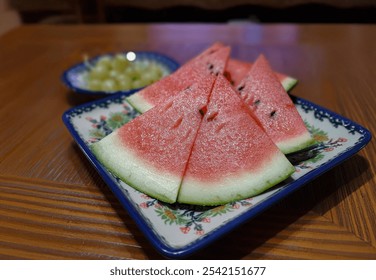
[
  {"x": 211, "y": 61},
  {"x": 232, "y": 157},
  {"x": 236, "y": 70},
  {"x": 150, "y": 153},
  {"x": 273, "y": 108}
]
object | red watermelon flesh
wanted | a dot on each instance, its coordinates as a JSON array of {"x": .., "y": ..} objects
[
  {"x": 211, "y": 61},
  {"x": 150, "y": 153},
  {"x": 236, "y": 70},
  {"x": 274, "y": 109},
  {"x": 232, "y": 157},
  {"x": 207, "y": 52}
]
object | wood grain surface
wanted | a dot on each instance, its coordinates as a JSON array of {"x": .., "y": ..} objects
[{"x": 53, "y": 204}]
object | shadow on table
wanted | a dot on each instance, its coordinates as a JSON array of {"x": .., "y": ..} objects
[{"x": 75, "y": 99}]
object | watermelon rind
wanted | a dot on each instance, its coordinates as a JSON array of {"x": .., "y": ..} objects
[
  {"x": 289, "y": 83},
  {"x": 290, "y": 145},
  {"x": 150, "y": 152},
  {"x": 133, "y": 171},
  {"x": 239, "y": 186},
  {"x": 262, "y": 90},
  {"x": 232, "y": 157},
  {"x": 139, "y": 103}
]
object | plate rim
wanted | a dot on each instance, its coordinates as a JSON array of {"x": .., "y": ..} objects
[
  {"x": 200, "y": 243},
  {"x": 168, "y": 61}
]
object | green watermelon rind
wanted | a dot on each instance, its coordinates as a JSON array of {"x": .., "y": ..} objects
[
  {"x": 233, "y": 188},
  {"x": 122, "y": 163},
  {"x": 290, "y": 146},
  {"x": 169, "y": 188},
  {"x": 138, "y": 103},
  {"x": 289, "y": 83}
]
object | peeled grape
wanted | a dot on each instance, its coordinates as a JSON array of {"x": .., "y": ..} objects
[
  {"x": 105, "y": 62},
  {"x": 137, "y": 84},
  {"x": 109, "y": 85},
  {"x": 94, "y": 84},
  {"x": 98, "y": 72},
  {"x": 120, "y": 62},
  {"x": 113, "y": 73},
  {"x": 124, "y": 84},
  {"x": 122, "y": 77}
]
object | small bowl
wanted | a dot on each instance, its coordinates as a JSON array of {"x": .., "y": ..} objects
[{"x": 74, "y": 79}]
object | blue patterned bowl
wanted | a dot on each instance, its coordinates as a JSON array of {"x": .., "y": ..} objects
[{"x": 74, "y": 79}]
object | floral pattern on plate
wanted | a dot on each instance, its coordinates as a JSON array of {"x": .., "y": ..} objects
[{"x": 176, "y": 229}]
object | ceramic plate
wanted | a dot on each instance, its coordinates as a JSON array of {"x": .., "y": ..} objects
[
  {"x": 73, "y": 77},
  {"x": 180, "y": 230}
]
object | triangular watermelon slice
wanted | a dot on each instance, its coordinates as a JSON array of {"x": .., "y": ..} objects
[
  {"x": 236, "y": 70},
  {"x": 274, "y": 109},
  {"x": 150, "y": 153},
  {"x": 232, "y": 157},
  {"x": 211, "y": 61}
]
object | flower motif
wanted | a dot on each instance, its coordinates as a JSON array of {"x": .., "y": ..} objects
[
  {"x": 185, "y": 230},
  {"x": 320, "y": 137},
  {"x": 206, "y": 220},
  {"x": 144, "y": 205},
  {"x": 158, "y": 206},
  {"x": 116, "y": 120},
  {"x": 219, "y": 208},
  {"x": 235, "y": 206},
  {"x": 200, "y": 232},
  {"x": 170, "y": 214}
]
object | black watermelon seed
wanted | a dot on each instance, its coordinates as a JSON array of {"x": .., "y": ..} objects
[{"x": 203, "y": 110}]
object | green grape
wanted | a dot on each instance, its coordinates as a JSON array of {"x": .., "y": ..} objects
[
  {"x": 120, "y": 62},
  {"x": 137, "y": 83},
  {"x": 94, "y": 84},
  {"x": 109, "y": 85},
  {"x": 156, "y": 69},
  {"x": 123, "y": 77},
  {"x": 139, "y": 68},
  {"x": 98, "y": 72},
  {"x": 125, "y": 84},
  {"x": 113, "y": 73},
  {"x": 153, "y": 75},
  {"x": 104, "y": 61}
]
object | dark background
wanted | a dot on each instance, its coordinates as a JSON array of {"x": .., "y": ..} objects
[{"x": 85, "y": 11}]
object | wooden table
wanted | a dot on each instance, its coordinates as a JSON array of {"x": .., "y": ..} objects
[{"x": 54, "y": 205}]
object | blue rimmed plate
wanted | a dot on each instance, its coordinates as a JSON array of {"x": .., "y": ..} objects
[
  {"x": 177, "y": 231},
  {"x": 74, "y": 77}
]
